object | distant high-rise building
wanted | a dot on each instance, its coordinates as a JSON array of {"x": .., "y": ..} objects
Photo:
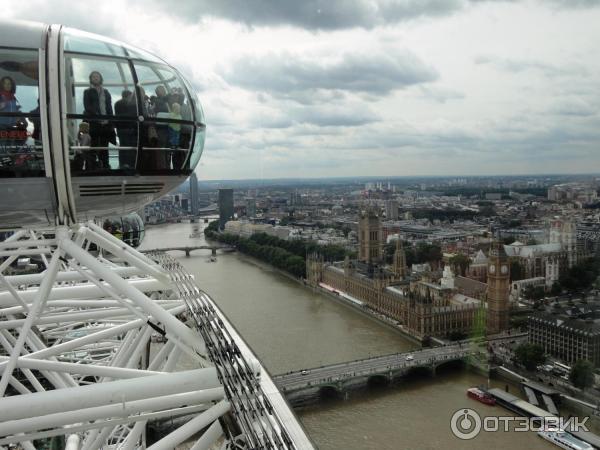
[
  {"x": 391, "y": 210},
  {"x": 251, "y": 207},
  {"x": 225, "y": 206},
  {"x": 295, "y": 199},
  {"x": 370, "y": 237},
  {"x": 194, "y": 194},
  {"x": 203, "y": 199}
]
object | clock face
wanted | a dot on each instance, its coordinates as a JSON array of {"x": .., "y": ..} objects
[
  {"x": 504, "y": 269},
  {"x": 492, "y": 269}
]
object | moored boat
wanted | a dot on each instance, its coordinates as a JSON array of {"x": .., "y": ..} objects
[
  {"x": 481, "y": 396},
  {"x": 564, "y": 440}
]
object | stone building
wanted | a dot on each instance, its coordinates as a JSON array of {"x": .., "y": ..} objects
[
  {"x": 399, "y": 268},
  {"x": 561, "y": 252},
  {"x": 478, "y": 268},
  {"x": 423, "y": 307},
  {"x": 498, "y": 304},
  {"x": 540, "y": 260},
  {"x": 370, "y": 237}
]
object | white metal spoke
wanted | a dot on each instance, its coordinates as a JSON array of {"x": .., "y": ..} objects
[{"x": 89, "y": 350}]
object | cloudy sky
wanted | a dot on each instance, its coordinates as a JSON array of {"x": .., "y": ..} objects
[{"x": 319, "y": 88}]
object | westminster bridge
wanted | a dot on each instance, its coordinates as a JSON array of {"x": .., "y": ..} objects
[{"x": 335, "y": 380}]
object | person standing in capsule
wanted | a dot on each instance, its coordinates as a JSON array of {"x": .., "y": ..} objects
[
  {"x": 97, "y": 102},
  {"x": 8, "y": 102}
]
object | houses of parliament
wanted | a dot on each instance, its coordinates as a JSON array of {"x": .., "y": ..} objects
[{"x": 424, "y": 307}]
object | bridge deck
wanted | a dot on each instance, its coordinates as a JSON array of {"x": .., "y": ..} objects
[
  {"x": 188, "y": 248},
  {"x": 372, "y": 366}
]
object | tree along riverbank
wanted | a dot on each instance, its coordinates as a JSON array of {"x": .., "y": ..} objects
[{"x": 289, "y": 256}]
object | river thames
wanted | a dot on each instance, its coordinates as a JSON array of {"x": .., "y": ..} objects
[{"x": 290, "y": 327}]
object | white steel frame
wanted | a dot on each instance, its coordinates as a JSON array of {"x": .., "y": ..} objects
[{"x": 75, "y": 348}]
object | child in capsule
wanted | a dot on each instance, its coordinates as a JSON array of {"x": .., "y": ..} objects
[{"x": 84, "y": 159}]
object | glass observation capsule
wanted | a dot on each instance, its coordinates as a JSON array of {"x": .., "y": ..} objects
[{"x": 89, "y": 127}]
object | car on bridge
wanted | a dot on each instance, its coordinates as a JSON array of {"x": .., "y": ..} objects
[
  {"x": 304, "y": 372},
  {"x": 410, "y": 357}
]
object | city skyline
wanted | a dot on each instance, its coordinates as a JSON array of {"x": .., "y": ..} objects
[
  {"x": 292, "y": 181},
  {"x": 375, "y": 88},
  {"x": 385, "y": 217}
]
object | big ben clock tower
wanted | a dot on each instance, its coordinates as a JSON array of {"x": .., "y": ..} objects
[{"x": 498, "y": 305}]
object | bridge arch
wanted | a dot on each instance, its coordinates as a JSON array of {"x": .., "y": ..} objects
[
  {"x": 420, "y": 372},
  {"x": 329, "y": 391},
  {"x": 449, "y": 365},
  {"x": 378, "y": 380}
]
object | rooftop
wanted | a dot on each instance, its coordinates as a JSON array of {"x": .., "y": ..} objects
[{"x": 582, "y": 317}]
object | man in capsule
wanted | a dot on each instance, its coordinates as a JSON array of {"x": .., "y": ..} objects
[
  {"x": 126, "y": 130},
  {"x": 97, "y": 102}
]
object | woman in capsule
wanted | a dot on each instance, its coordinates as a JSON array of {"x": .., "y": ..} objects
[
  {"x": 13, "y": 130},
  {"x": 8, "y": 101}
]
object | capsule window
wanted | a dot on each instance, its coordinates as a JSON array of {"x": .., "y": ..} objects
[
  {"x": 89, "y": 78},
  {"x": 198, "y": 111},
  {"x": 137, "y": 115},
  {"x": 198, "y": 147},
  {"x": 98, "y": 149},
  {"x": 165, "y": 146},
  {"x": 20, "y": 127},
  {"x": 102, "y": 109},
  {"x": 80, "y": 41},
  {"x": 166, "y": 134},
  {"x": 163, "y": 88}
]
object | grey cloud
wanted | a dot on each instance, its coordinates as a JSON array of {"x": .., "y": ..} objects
[
  {"x": 574, "y": 107},
  {"x": 440, "y": 94},
  {"x": 318, "y": 14},
  {"x": 315, "y": 14},
  {"x": 500, "y": 145},
  {"x": 309, "y": 97},
  {"x": 270, "y": 121},
  {"x": 519, "y": 65},
  {"x": 334, "y": 117},
  {"x": 344, "y": 115},
  {"x": 284, "y": 74},
  {"x": 572, "y": 4}
]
